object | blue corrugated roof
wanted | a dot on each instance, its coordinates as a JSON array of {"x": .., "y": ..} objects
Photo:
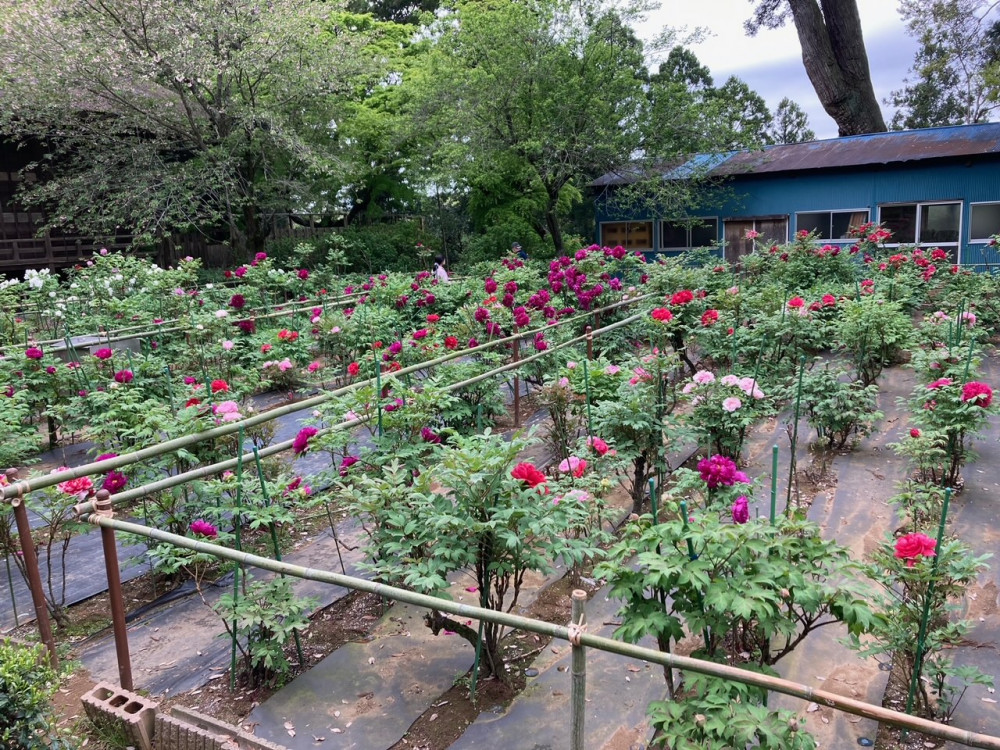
[{"x": 897, "y": 146}]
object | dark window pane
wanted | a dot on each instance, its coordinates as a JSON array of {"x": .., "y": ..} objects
[
  {"x": 844, "y": 221},
  {"x": 706, "y": 233},
  {"x": 673, "y": 235},
  {"x": 901, "y": 221},
  {"x": 815, "y": 222},
  {"x": 939, "y": 223},
  {"x": 985, "y": 221}
]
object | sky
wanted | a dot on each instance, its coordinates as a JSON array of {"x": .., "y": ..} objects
[{"x": 771, "y": 62}]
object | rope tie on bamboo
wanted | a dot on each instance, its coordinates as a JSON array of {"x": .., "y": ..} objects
[{"x": 576, "y": 630}]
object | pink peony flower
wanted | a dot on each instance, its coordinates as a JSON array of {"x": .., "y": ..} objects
[
  {"x": 301, "y": 443},
  {"x": 910, "y": 547},
  {"x": 731, "y": 404},
  {"x": 573, "y": 465},
  {"x": 977, "y": 393},
  {"x": 204, "y": 528}
]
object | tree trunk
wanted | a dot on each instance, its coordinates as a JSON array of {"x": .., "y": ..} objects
[
  {"x": 833, "y": 52},
  {"x": 552, "y": 222}
]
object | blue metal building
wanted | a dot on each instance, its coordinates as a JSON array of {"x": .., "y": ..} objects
[{"x": 938, "y": 187}]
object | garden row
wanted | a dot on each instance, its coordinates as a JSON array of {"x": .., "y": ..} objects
[{"x": 716, "y": 352}]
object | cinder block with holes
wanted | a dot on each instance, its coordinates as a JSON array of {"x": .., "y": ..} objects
[{"x": 114, "y": 707}]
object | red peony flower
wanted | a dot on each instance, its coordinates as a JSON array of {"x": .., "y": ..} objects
[
  {"x": 910, "y": 547},
  {"x": 682, "y": 297},
  {"x": 220, "y": 386},
  {"x": 796, "y": 302},
  {"x": 709, "y": 317},
  {"x": 978, "y": 393},
  {"x": 301, "y": 443},
  {"x": 914, "y": 432},
  {"x": 662, "y": 314},
  {"x": 432, "y": 318},
  {"x": 528, "y": 474},
  {"x": 353, "y": 369},
  {"x": 450, "y": 342}
]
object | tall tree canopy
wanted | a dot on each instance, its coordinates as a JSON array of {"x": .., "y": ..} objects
[
  {"x": 955, "y": 77},
  {"x": 833, "y": 51},
  {"x": 536, "y": 96},
  {"x": 165, "y": 115},
  {"x": 790, "y": 124}
]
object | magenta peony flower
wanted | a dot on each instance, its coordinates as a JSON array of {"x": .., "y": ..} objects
[
  {"x": 741, "y": 510},
  {"x": 124, "y": 376},
  {"x": 33, "y": 352},
  {"x": 204, "y": 528},
  {"x": 103, "y": 353},
  {"x": 978, "y": 393},
  {"x": 301, "y": 443}
]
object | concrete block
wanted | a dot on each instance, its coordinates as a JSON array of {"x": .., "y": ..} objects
[
  {"x": 111, "y": 706},
  {"x": 243, "y": 740},
  {"x": 176, "y": 734}
]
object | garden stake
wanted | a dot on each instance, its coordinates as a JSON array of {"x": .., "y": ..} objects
[
  {"x": 586, "y": 383},
  {"x": 968, "y": 360},
  {"x": 653, "y": 502},
  {"x": 128, "y": 356},
  {"x": 479, "y": 417},
  {"x": 795, "y": 439},
  {"x": 517, "y": 383},
  {"x": 692, "y": 557},
  {"x": 857, "y": 289},
  {"x": 10, "y": 583},
  {"x": 378, "y": 391},
  {"x": 33, "y": 575},
  {"x": 774, "y": 480},
  {"x": 479, "y": 654},
  {"x": 760, "y": 358},
  {"x": 170, "y": 388},
  {"x": 922, "y": 634},
  {"x": 589, "y": 333},
  {"x": 732, "y": 351},
  {"x": 239, "y": 548},
  {"x": 578, "y": 685},
  {"x": 274, "y": 539}
]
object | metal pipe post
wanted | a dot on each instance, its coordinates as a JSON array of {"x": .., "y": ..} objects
[
  {"x": 34, "y": 577},
  {"x": 590, "y": 343},
  {"x": 578, "y": 698},
  {"x": 103, "y": 508}
]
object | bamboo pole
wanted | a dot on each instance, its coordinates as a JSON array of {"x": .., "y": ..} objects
[
  {"x": 578, "y": 685},
  {"x": 125, "y": 459},
  {"x": 467, "y": 611}
]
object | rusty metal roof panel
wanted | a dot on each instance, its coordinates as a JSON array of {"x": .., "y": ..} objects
[{"x": 865, "y": 150}]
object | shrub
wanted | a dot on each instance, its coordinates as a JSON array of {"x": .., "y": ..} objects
[{"x": 26, "y": 683}]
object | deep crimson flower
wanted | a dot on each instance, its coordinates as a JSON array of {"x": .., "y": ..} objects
[
  {"x": 662, "y": 314},
  {"x": 978, "y": 393},
  {"x": 220, "y": 386},
  {"x": 490, "y": 286},
  {"x": 450, "y": 342},
  {"x": 346, "y": 464},
  {"x": 301, "y": 443},
  {"x": 237, "y": 301},
  {"x": 204, "y": 528},
  {"x": 909, "y": 547},
  {"x": 353, "y": 369},
  {"x": 114, "y": 481},
  {"x": 528, "y": 474},
  {"x": 429, "y": 436},
  {"x": 124, "y": 376},
  {"x": 303, "y": 273},
  {"x": 50, "y": 370},
  {"x": 33, "y": 352},
  {"x": 682, "y": 297},
  {"x": 103, "y": 353},
  {"x": 914, "y": 432},
  {"x": 741, "y": 510},
  {"x": 192, "y": 402},
  {"x": 709, "y": 317}
]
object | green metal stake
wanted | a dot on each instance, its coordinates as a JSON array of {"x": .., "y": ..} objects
[
  {"x": 239, "y": 546},
  {"x": 795, "y": 437},
  {"x": 479, "y": 418},
  {"x": 732, "y": 352},
  {"x": 274, "y": 537},
  {"x": 922, "y": 634},
  {"x": 692, "y": 557},
  {"x": 378, "y": 393},
  {"x": 968, "y": 361},
  {"x": 586, "y": 382},
  {"x": 170, "y": 388},
  {"x": 653, "y": 501},
  {"x": 774, "y": 480}
]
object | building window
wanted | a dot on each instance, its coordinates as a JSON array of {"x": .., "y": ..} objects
[
  {"x": 632, "y": 235},
  {"x": 984, "y": 221},
  {"x": 922, "y": 223},
  {"x": 830, "y": 225},
  {"x": 686, "y": 235}
]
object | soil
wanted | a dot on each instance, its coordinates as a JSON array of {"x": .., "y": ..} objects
[{"x": 891, "y": 738}]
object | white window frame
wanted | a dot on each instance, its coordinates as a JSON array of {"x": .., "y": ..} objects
[
  {"x": 652, "y": 231},
  {"x": 689, "y": 246},
  {"x": 831, "y": 211},
  {"x": 957, "y": 244},
  {"x": 973, "y": 241}
]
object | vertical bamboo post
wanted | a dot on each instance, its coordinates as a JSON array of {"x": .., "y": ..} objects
[
  {"x": 102, "y": 507},
  {"x": 578, "y": 695},
  {"x": 378, "y": 391},
  {"x": 517, "y": 384},
  {"x": 34, "y": 577}
]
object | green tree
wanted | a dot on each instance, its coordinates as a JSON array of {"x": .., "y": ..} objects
[
  {"x": 745, "y": 113},
  {"x": 158, "y": 116},
  {"x": 790, "y": 124},
  {"x": 833, "y": 52},
  {"x": 548, "y": 92},
  {"x": 955, "y": 77}
]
